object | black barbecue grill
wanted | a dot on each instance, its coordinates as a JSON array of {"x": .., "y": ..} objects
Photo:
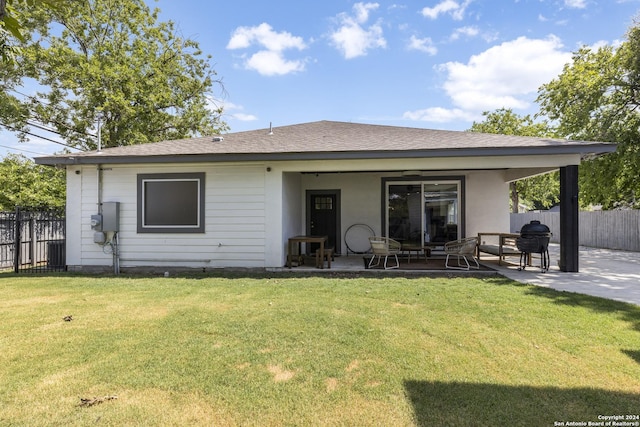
[{"x": 534, "y": 239}]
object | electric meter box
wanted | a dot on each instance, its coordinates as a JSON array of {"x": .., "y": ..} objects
[
  {"x": 96, "y": 222},
  {"x": 110, "y": 216}
]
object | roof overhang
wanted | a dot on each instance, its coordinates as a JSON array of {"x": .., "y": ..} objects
[{"x": 584, "y": 150}]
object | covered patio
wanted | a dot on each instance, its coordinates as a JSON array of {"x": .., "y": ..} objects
[
  {"x": 418, "y": 187},
  {"x": 423, "y": 207}
]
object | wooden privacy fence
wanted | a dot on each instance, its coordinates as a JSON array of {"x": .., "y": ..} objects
[
  {"x": 32, "y": 241},
  {"x": 598, "y": 229}
]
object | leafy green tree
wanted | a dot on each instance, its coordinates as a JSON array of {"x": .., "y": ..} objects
[
  {"x": 25, "y": 184},
  {"x": 538, "y": 192},
  {"x": 10, "y": 26},
  {"x": 597, "y": 97},
  {"x": 111, "y": 59}
]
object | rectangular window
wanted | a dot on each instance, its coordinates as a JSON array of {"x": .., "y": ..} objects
[
  {"x": 171, "y": 203},
  {"x": 324, "y": 203}
]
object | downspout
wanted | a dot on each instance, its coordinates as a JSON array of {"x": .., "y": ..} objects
[
  {"x": 99, "y": 187},
  {"x": 98, "y": 167},
  {"x": 116, "y": 253}
]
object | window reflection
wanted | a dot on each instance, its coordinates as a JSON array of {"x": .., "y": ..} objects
[
  {"x": 441, "y": 212},
  {"x": 405, "y": 212},
  {"x": 423, "y": 212}
]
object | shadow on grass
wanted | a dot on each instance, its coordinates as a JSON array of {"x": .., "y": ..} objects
[
  {"x": 634, "y": 354},
  {"x": 626, "y": 311},
  {"x": 463, "y": 404}
]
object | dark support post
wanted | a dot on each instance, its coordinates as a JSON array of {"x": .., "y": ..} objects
[
  {"x": 17, "y": 241},
  {"x": 569, "y": 236}
]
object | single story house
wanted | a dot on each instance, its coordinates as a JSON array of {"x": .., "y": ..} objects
[{"x": 234, "y": 200}]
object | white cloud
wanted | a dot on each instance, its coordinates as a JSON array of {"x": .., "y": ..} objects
[
  {"x": 352, "y": 38},
  {"x": 438, "y": 115},
  {"x": 465, "y": 32},
  {"x": 235, "y": 111},
  {"x": 423, "y": 45},
  {"x": 244, "y": 117},
  {"x": 273, "y": 63},
  {"x": 270, "y": 60},
  {"x": 361, "y": 11},
  {"x": 504, "y": 76},
  {"x": 452, "y": 7},
  {"x": 575, "y": 4},
  {"x": 472, "y": 31},
  {"x": 444, "y": 7},
  {"x": 601, "y": 43},
  {"x": 264, "y": 35}
]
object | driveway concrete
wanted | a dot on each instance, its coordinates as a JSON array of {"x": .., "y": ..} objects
[{"x": 603, "y": 273}]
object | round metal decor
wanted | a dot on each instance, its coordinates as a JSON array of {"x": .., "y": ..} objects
[{"x": 357, "y": 238}]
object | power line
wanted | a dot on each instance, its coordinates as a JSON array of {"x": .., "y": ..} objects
[
  {"x": 48, "y": 129},
  {"x": 40, "y": 101},
  {"x": 43, "y": 127},
  {"x": 39, "y": 136},
  {"x": 23, "y": 150}
]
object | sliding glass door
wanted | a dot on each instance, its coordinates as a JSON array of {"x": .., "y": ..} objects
[
  {"x": 441, "y": 211},
  {"x": 422, "y": 211}
]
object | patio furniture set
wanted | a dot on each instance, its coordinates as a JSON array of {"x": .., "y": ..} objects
[{"x": 532, "y": 239}]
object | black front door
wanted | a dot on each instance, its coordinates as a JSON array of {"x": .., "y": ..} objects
[{"x": 323, "y": 213}]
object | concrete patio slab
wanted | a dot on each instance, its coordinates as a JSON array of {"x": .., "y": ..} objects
[{"x": 603, "y": 273}]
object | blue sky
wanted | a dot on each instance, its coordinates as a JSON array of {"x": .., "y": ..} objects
[{"x": 422, "y": 63}]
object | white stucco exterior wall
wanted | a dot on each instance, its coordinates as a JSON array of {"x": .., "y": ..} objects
[
  {"x": 487, "y": 202},
  {"x": 287, "y": 214},
  {"x": 360, "y": 198}
]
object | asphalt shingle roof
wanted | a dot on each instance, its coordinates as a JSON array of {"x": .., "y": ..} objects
[{"x": 329, "y": 139}]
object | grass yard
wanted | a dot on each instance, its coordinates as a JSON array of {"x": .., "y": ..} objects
[{"x": 310, "y": 351}]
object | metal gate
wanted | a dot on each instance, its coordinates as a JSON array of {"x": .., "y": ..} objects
[{"x": 33, "y": 241}]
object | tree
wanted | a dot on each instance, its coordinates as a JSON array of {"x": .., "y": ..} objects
[
  {"x": 10, "y": 26},
  {"x": 538, "y": 192},
  {"x": 597, "y": 97},
  {"x": 25, "y": 184},
  {"x": 111, "y": 59}
]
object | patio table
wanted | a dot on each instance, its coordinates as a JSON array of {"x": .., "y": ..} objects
[
  {"x": 297, "y": 240},
  {"x": 417, "y": 249}
]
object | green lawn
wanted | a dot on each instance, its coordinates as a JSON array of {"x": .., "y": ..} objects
[{"x": 311, "y": 351}]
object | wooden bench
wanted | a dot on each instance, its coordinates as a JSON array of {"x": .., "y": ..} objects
[
  {"x": 328, "y": 254},
  {"x": 506, "y": 245}
]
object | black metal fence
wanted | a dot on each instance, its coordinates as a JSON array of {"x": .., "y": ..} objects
[{"x": 32, "y": 241}]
